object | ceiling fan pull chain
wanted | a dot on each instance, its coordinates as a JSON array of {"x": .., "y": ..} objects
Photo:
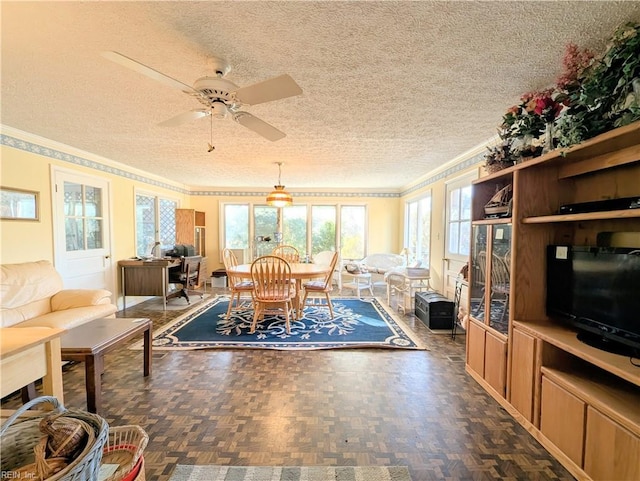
[{"x": 211, "y": 147}]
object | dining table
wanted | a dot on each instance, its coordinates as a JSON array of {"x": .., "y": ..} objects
[{"x": 300, "y": 271}]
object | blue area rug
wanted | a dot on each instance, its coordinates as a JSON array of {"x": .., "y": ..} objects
[{"x": 357, "y": 323}]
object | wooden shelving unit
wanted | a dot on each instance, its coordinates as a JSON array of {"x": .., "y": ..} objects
[{"x": 581, "y": 403}]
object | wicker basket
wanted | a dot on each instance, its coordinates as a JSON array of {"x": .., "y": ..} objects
[
  {"x": 125, "y": 447},
  {"x": 19, "y": 436}
]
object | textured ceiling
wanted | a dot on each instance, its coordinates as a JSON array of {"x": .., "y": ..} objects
[{"x": 391, "y": 90}]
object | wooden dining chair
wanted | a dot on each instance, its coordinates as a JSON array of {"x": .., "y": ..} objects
[
  {"x": 324, "y": 287},
  {"x": 237, "y": 285},
  {"x": 287, "y": 252},
  {"x": 273, "y": 289}
]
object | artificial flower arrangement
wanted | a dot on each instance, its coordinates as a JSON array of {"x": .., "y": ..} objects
[{"x": 591, "y": 96}]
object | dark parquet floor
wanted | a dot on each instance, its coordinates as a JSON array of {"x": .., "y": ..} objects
[{"x": 338, "y": 407}]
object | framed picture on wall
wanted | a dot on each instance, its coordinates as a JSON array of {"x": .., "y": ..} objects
[{"x": 18, "y": 204}]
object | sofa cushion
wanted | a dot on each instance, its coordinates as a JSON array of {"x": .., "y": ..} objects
[
  {"x": 71, "y": 298},
  {"x": 69, "y": 318},
  {"x": 22, "y": 284}
]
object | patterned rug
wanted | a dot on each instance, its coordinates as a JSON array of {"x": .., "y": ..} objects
[
  {"x": 357, "y": 323},
  {"x": 268, "y": 473}
]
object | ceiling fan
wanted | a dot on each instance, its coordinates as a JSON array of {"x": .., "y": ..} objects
[{"x": 221, "y": 97}]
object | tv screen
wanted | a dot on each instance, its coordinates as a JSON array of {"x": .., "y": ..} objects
[{"x": 597, "y": 290}]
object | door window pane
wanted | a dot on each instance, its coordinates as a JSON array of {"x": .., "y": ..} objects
[{"x": 83, "y": 217}]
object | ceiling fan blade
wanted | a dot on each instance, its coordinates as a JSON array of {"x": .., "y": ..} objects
[
  {"x": 184, "y": 117},
  {"x": 273, "y": 89},
  {"x": 148, "y": 71},
  {"x": 260, "y": 127}
]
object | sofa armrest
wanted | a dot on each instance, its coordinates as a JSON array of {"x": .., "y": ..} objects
[{"x": 71, "y": 298}]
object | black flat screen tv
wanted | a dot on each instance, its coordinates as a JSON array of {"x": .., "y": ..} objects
[{"x": 597, "y": 290}]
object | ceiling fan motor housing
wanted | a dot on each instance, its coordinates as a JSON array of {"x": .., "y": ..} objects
[{"x": 218, "y": 110}]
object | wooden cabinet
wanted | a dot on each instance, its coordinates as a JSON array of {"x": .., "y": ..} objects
[
  {"x": 611, "y": 451},
  {"x": 476, "y": 338},
  {"x": 190, "y": 229},
  {"x": 523, "y": 359},
  {"x": 489, "y": 299},
  {"x": 581, "y": 403},
  {"x": 562, "y": 419}
]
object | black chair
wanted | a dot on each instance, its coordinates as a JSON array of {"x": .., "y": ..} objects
[{"x": 187, "y": 276}]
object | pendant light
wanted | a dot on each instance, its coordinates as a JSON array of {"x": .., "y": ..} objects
[{"x": 279, "y": 197}]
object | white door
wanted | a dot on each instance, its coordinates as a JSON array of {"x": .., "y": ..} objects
[{"x": 81, "y": 221}]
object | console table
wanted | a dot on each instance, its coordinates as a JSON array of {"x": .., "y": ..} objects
[{"x": 146, "y": 278}]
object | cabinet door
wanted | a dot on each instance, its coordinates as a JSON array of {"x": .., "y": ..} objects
[
  {"x": 490, "y": 275},
  {"x": 611, "y": 452},
  {"x": 478, "y": 271},
  {"x": 562, "y": 419},
  {"x": 495, "y": 363},
  {"x": 475, "y": 348},
  {"x": 522, "y": 373}
]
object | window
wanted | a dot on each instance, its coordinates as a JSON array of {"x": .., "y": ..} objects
[
  {"x": 82, "y": 217},
  {"x": 418, "y": 229},
  {"x": 323, "y": 228},
  {"x": 459, "y": 217},
  {"x": 294, "y": 227},
  {"x": 155, "y": 223},
  {"x": 353, "y": 231},
  {"x": 236, "y": 226},
  {"x": 310, "y": 228}
]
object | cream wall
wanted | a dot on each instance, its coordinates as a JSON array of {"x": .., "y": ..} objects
[
  {"x": 23, "y": 241},
  {"x": 384, "y": 226}
]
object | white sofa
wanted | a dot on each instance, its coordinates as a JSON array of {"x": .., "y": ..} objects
[
  {"x": 377, "y": 265},
  {"x": 32, "y": 295}
]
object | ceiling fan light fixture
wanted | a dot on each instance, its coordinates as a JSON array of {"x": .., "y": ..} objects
[{"x": 279, "y": 197}]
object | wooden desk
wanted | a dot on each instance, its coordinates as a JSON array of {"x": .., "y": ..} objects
[
  {"x": 146, "y": 278},
  {"x": 89, "y": 342},
  {"x": 28, "y": 354}
]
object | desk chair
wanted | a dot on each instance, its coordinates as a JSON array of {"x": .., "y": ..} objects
[{"x": 187, "y": 276}]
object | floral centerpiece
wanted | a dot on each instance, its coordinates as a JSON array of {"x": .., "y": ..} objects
[{"x": 529, "y": 120}]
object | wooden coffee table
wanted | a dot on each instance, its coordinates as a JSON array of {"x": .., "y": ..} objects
[{"x": 89, "y": 343}]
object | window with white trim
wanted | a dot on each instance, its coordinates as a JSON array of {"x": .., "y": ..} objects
[
  {"x": 155, "y": 223},
  {"x": 458, "y": 215},
  {"x": 418, "y": 230}
]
